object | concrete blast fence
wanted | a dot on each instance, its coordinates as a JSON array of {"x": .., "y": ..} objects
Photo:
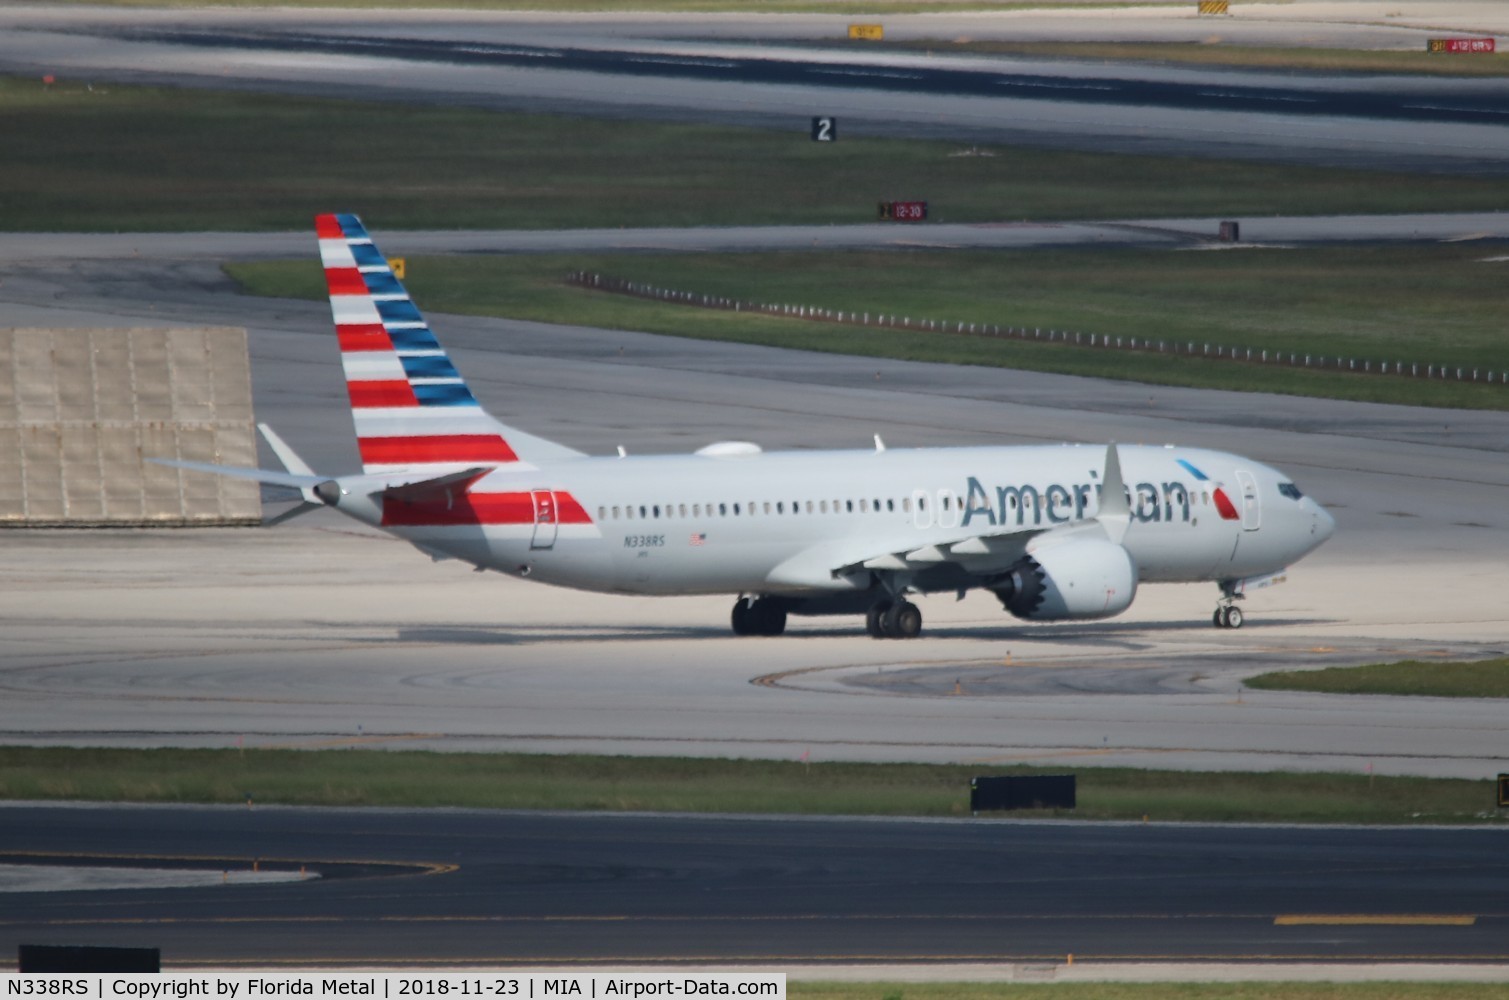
[{"x": 82, "y": 410}]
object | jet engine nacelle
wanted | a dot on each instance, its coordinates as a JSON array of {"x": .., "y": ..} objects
[{"x": 1084, "y": 578}]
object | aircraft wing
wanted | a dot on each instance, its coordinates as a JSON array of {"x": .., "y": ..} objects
[{"x": 848, "y": 563}]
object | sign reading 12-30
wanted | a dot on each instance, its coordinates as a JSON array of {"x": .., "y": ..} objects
[{"x": 825, "y": 129}]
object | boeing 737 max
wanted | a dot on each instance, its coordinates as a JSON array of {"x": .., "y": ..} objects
[{"x": 1055, "y": 532}]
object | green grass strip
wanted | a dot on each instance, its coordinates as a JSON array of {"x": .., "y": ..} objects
[
  {"x": 1477, "y": 679},
  {"x": 1438, "y": 304},
  {"x": 523, "y": 781},
  {"x": 121, "y": 158},
  {"x": 1147, "y": 991},
  {"x": 1235, "y": 56},
  {"x": 865, "y": 8}
]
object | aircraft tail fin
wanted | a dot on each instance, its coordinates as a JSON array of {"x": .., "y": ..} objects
[{"x": 412, "y": 409}]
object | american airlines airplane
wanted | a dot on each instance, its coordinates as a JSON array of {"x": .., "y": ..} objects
[{"x": 1059, "y": 532}]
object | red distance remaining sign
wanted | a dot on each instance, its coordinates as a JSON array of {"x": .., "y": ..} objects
[
  {"x": 904, "y": 211},
  {"x": 1461, "y": 45}
]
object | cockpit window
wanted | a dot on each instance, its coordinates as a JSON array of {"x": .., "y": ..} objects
[{"x": 1290, "y": 490}]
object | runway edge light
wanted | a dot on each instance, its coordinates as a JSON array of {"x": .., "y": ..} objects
[{"x": 1504, "y": 791}]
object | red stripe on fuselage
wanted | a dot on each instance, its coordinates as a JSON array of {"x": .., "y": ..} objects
[
  {"x": 364, "y": 337},
  {"x": 480, "y": 509},
  {"x": 421, "y": 449},
  {"x": 381, "y": 393}
]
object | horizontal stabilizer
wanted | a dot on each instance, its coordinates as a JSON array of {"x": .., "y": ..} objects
[
  {"x": 455, "y": 482},
  {"x": 290, "y": 479}
]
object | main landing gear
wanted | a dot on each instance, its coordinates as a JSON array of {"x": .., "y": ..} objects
[
  {"x": 893, "y": 619},
  {"x": 761, "y": 616}
]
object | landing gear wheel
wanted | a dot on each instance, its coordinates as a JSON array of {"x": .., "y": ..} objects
[
  {"x": 1233, "y": 617},
  {"x": 770, "y": 617},
  {"x": 1219, "y": 618},
  {"x": 902, "y": 621},
  {"x": 743, "y": 620},
  {"x": 760, "y": 617},
  {"x": 875, "y": 619}
]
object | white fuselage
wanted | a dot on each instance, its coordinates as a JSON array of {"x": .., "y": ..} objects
[{"x": 804, "y": 522}]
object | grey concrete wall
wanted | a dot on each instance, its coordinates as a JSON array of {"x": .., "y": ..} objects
[{"x": 82, "y": 410}]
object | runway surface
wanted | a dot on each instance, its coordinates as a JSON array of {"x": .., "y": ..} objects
[
  {"x": 24, "y": 250},
  {"x": 778, "y": 70},
  {"x": 479, "y": 888},
  {"x": 318, "y": 635}
]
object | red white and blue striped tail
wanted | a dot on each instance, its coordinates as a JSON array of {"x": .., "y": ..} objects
[{"x": 413, "y": 411}]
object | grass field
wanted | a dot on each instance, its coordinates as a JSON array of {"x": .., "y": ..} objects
[
  {"x": 1147, "y": 991},
  {"x": 865, "y": 7},
  {"x": 1235, "y": 56},
  {"x": 1436, "y": 304},
  {"x": 117, "y": 158},
  {"x": 521, "y": 781},
  {"x": 1478, "y": 679}
]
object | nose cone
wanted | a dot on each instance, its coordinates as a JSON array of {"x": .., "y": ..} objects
[{"x": 1324, "y": 525}]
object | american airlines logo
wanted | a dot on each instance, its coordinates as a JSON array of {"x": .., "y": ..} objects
[{"x": 1056, "y": 503}]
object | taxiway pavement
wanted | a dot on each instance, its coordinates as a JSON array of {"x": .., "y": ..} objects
[
  {"x": 540, "y": 889},
  {"x": 317, "y": 634}
]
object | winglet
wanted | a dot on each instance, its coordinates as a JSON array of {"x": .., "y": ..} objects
[{"x": 1115, "y": 511}]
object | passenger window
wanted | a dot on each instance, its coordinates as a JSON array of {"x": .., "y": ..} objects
[
  {"x": 722, "y": 510},
  {"x": 890, "y": 505},
  {"x": 780, "y": 507}
]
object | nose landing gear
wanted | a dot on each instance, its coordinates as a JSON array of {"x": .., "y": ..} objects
[{"x": 1228, "y": 616}]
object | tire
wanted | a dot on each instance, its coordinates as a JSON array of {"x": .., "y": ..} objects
[
  {"x": 904, "y": 621},
  {"x": 769, "y": 617},
  {"x": 874, "y": 619},
  {"x": 1233, "y": 617},
  {"x": 743, "y": 620},
  {"x": 1219, "y": 618}
]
